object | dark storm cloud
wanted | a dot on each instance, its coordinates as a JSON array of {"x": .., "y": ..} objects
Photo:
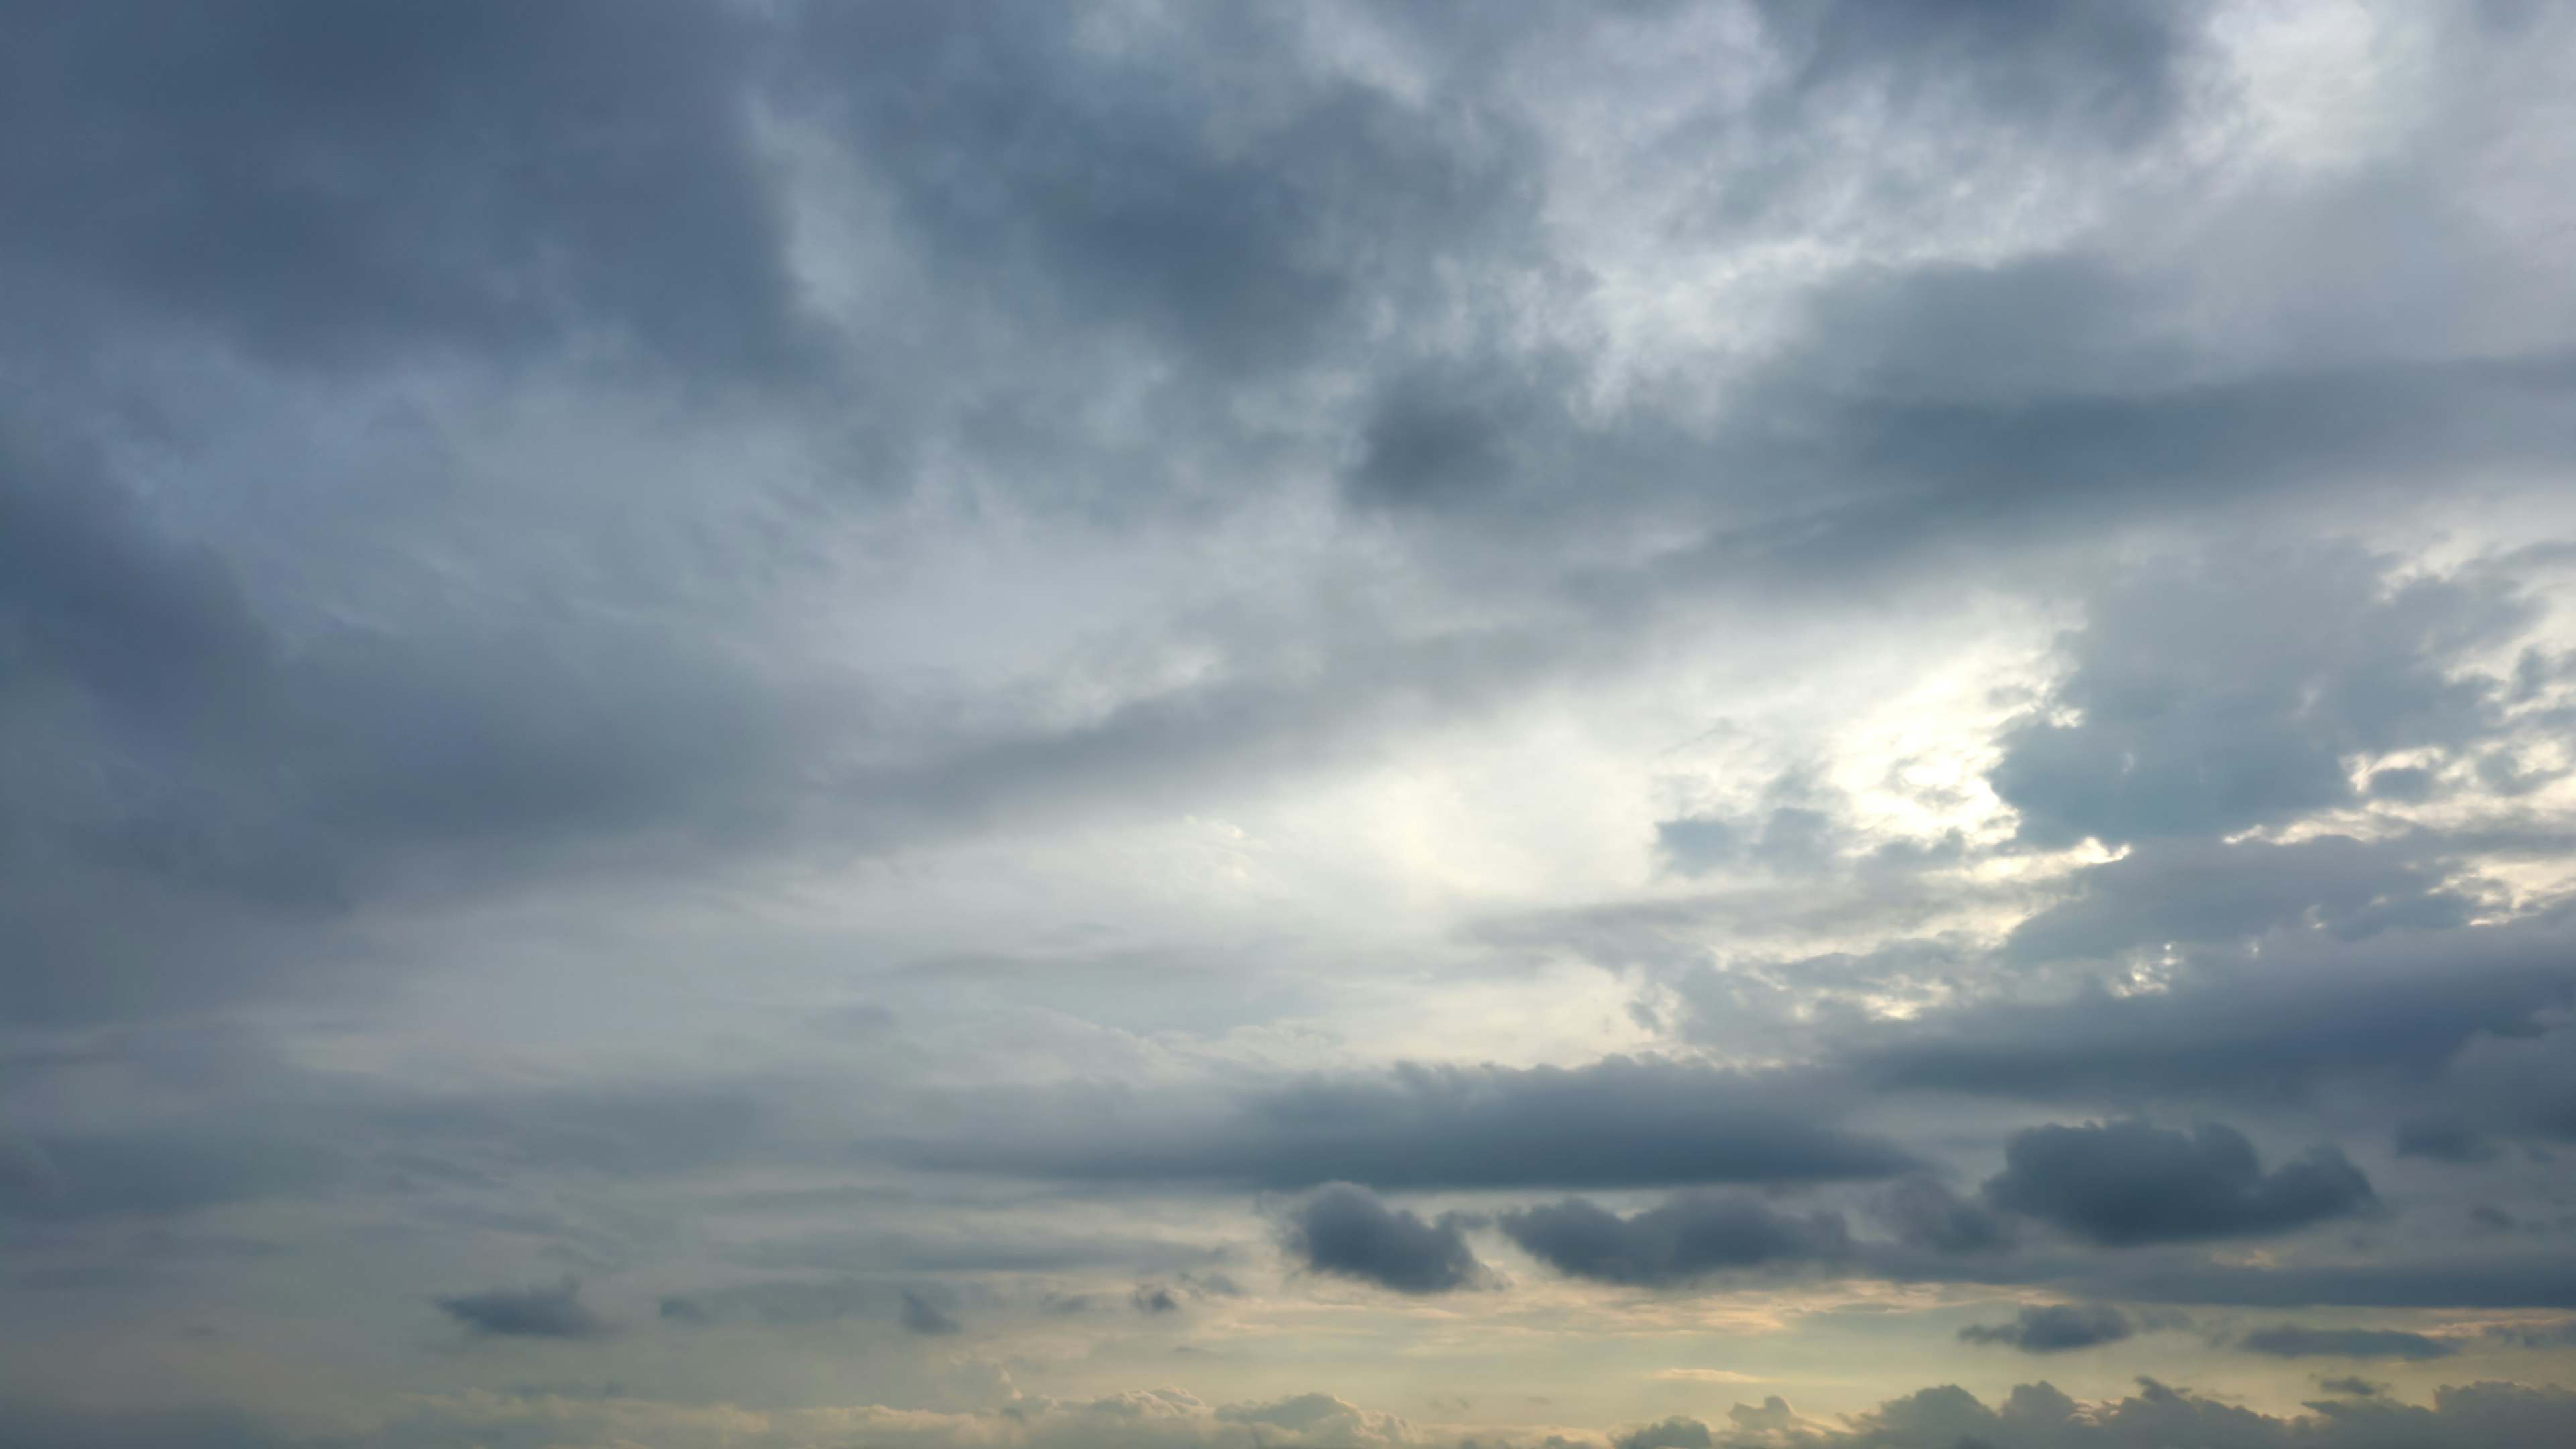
[
  {"x": 1686, "y": 1239},
  {"x": 556, "y": 1312},
  {"x": 2213, "y": 698},
  {"x": 2516, "y": 1281},
  {"x": 1068, "y": 180},
  {"x": 193, "y": 811},
  {"x": 2290, "y": 1340},
  {"x": 2400, "y": 1003},
  {"x": 320, "y": 181},
  {"x": 1620, "y": 1122},
  {"x": 2055, "y": 1328},
  {"x": 2127, "y": 1182},
  {"x": 2188, "y": 893},
  {"x": 1345, "y": 1230}
]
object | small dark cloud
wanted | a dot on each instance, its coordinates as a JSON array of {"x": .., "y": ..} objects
[
  {"x": 918, "y": 1316},
  {"x": 1690, "y": 1237},
  {"x": 556, "y": 1312},
  {"x": 1677, "y": 1432},
  {"x": 2127, "y": 1183},
  {"x": 2056, "y": 1328},
  {"x": 1154, "y": 1298},
  {"x": 783, "y": 1302},
  {"x": 1344, "y": 1229},
  {"x": 2290, "y": 1340},
  {"x": 2359, "y": 1388}
]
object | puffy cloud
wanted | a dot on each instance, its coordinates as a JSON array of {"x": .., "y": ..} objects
[
  {"x": 1344, "y": 1229},
  {"x": 1677, "y": 1432},
  {"x": 2056, "y": 1328},
  {"x": 2128, "y": 1182},
  {"x": 1687, "y": 1238},
  {"x": 556, "y": 1312}
]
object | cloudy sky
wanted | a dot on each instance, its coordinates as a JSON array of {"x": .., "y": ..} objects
[{"x": 1834, "y": 724}]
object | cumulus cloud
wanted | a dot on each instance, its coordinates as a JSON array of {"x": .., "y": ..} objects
[
  {"x": 2056, "y": 1328},
  {"x": 2126, "y": 1183},
  {"x": 556, "y": 1312},
  {"x": 561, "y": 547},
  {"x": 1685, "y": 1239},
  {"x": 1344, "y": 1229}
]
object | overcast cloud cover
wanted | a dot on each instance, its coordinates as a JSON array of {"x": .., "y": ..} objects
[{"x": 1824, "y": 724}]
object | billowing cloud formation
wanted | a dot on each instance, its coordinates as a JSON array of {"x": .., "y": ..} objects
[
  {"x": 859, "y": 665},
  {"x": 2128, "y": 1182},
  {"x": 1687, "y": 1238},
  {"x": 1344, "y": 1229},
  {"x": 2056, "y": 1328},
  {"x": 556, "y": 1312}
]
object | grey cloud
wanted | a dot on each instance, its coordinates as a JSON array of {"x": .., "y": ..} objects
[
  {"x": 2056, "y": 1328},
  {"x": 1046, "y": 172},
  {"x": 2039, "y": 1416},
  {"x": 2217, "y": 698},
  {"x": 2128, "y": 1182},
  {"x": 1922, "y": 1212},
  {"x": 2291, "y": 1340},
  {"x": 2187, "y": 893},
  {"x": 2503, "y": 1281},
  {"x": 1677, "y": 1432},
  {"x": 1345, "y": 1230},
  {"x": 1619, "y": 1122},
  {"x": 556, "y": 1312},
  {"x": 320, "y": 181},
  {"x": 780, "y": 1302},
  {"x": 2313, "y": 1009},
  {"x": 2359, "y": 1388},
  {"x": 2442, "y": 1140},
  {"x": 69, "y": 1178},
  {"x": 919, "y": 1316},
  {"x": 2116, "y": 69},
  {"x": 28, "y": 1424},
  {"x": 1683, "y": 1240}
]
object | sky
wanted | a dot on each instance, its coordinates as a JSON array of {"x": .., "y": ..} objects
[{"x": 1305, "y": 724}]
